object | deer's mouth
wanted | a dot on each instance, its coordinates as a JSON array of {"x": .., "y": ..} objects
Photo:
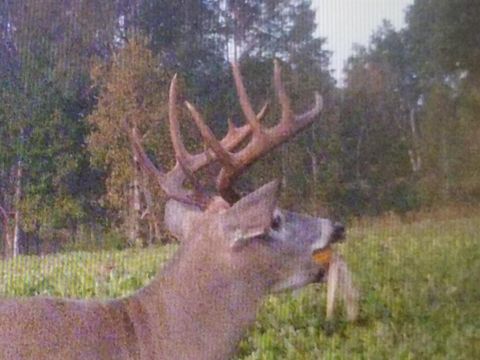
[{"x": 322, "y": 256}]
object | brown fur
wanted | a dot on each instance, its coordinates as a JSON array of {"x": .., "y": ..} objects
[{"x": 198, "y": 307}]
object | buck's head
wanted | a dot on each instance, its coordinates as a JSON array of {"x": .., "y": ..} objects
[
  {"x": 247, "y": 237},
  {"x": 277, "y": 244},
  {"x": 255, "y": 241}
]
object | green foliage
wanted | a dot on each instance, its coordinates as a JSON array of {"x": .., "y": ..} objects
[
  {"x": 444, "y": 36},
  {"x": 408, "y": 117},
  {"x": 375, "y": 133},
  {"x": 401, "y": 134},
  {"x": 450, "y": 150},
  {"x": 418, "y": 297},
  {"x": 82, "y": 274},
  {"x": 132, "y": 90},
  {"x": 418, "y": 280},
  {"x": 41, "y": 125},
  {"x": 443, "y": 55},
  {"x": 47, "y": 93}
]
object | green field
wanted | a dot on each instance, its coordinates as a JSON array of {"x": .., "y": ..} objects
[{"x": 419, "y": 279}]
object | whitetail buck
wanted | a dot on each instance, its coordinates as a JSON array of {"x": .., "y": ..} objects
[{"x": 234, "y": 252}]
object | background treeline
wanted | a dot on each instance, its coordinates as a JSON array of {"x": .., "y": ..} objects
[{"x": 401, "y": 133}]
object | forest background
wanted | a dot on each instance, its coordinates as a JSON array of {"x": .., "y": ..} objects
[{"x": 401, "y": 134}]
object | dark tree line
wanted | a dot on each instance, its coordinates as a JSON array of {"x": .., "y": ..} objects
[
  {"x": 410, "y": 127},
  {"x": 402, "y": 133}
]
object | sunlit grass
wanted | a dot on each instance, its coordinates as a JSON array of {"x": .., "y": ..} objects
[
  {"x": 419, "y": 279},
  {"x": 82, "y": 274},
  {"x": 420, "y": 285}
]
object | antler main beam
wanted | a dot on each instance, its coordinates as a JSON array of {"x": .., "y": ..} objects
[
  {"x": 263, "y": 140},
  {"x": 187, "y": 164},
  {"x": 233, "y": 163}
]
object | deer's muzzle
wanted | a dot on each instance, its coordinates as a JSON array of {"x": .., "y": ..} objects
[{"x": 338, "y": 233}]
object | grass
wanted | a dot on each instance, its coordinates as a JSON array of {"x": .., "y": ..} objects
[
  {"x": 419, "y": 279},
  {"x": 103, "y": 274}
]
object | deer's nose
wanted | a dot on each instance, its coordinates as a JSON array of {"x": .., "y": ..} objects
[{"x": 338, "y": 233}]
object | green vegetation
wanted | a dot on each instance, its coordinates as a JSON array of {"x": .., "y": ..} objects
[
  {"x": 419, "y": 277},
  {"x": 82, "y": 274},
  {"x": 401, "y": 133}
]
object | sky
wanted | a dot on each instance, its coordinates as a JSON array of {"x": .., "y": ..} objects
[{"x": 348, "y": 22}]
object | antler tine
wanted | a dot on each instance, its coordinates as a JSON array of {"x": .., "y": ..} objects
[
  {"x": 264, "y": 140},
  {"x": 236, "y": 135},
  {"x": 175, "y": 135},
  {"x": 312, "y": 112},
  {"x": 186, "y": 163},
  {"x": 263, "y": 111},
  {"x": 244, "y": 100},
  {"x": 223, "y": 155},
  {"x": 169, "y": 182},
  {"x": 233, "y": 164},
  {"x": 143, "y": 159},
  {"x": 138, "y": 150},
  {"x": 283, "y": 99},
  {"x": 221, "y": 149}
]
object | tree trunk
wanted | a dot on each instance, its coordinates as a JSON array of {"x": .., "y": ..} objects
[
  {"x": 445, "y": 163},
  {"x": 17, "y": 214},
  {"x": 358, "y": 152},
  {"x": 314, "y": 161},
  {"x": 314, "y": 168},
  {"x": 36, "y": 238},
  {"x": 7, "y": 245},
  {"x": 153, "y": 224},
  {"x": 414, "y": 152},
  {"x": 136, "y": 206}
]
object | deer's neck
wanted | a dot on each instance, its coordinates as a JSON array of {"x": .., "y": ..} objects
[{"x": 202, "y": 312}]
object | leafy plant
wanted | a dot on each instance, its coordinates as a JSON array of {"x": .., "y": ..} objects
[{"x": 418, "y": 277}]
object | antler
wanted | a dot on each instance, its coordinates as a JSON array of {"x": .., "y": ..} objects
[
  {"x": 186, "y": 163},
  {"x": 263, "y": 140},
  {"x": 233, "y": 163}
]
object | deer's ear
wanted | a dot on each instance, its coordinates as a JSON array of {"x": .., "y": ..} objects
[{"x": 251, "y": 216}]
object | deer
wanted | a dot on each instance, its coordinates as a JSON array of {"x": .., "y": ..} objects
[{"x": 234, "y": 252}]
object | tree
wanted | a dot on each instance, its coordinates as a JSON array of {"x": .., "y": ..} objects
[
  {"x": 11, "y": 132},
  {"x": 378, "y": 138},
  {"x": 444, "y": 36},
  {"x": 257, "y": 32},
  {"x": 132, "y": 89},
  {"x": 44, "y": 95},
  {"x": 443, "y": 39}
]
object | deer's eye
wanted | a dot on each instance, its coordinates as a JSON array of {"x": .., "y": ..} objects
[{"x": 276, "y": 223}]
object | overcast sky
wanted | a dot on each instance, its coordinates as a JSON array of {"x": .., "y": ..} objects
[{"x": 348, "y": 22}]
